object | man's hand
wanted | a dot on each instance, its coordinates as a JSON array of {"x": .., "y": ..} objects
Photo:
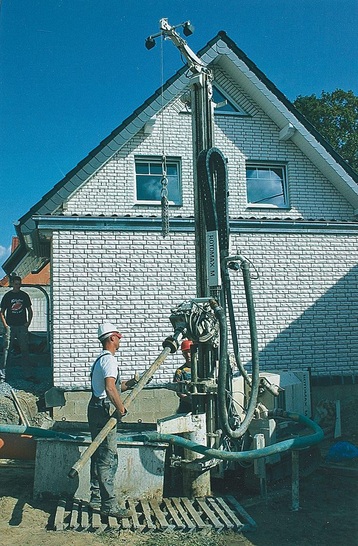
[
  {"x": 132, "y": 382},
  {"x": 119, "y": 415}
]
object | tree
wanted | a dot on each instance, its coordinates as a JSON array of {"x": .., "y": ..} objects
[{"x": 335, "y": 116}]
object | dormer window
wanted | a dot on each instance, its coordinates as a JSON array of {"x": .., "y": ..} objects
[{"x": 224, "y": 104}]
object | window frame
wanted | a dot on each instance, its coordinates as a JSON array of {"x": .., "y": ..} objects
[
  {"x": 269, "y": 165},
  {"x": 240, "y": 112},
  {"x": 157, "y": 160}
]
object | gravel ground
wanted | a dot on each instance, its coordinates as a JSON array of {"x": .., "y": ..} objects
[{"x": 29, "y": 393}]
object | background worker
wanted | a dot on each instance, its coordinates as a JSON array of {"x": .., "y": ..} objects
[
  {"x": 184, "y": 374},
  {"x": 16, "y": 316},
  {"x": 106, "y": 386}
]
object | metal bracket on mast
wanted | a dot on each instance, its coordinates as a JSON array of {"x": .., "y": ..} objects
[{"x": 195, "y": 64}]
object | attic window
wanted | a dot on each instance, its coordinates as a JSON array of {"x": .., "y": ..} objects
[
  {"x": 225, "y": 105},
  {"x": 149, "y": 175},
  {"x": 266, "y": 186}
]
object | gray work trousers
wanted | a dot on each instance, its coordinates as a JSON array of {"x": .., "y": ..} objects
[{"x": 104, "y": 461}]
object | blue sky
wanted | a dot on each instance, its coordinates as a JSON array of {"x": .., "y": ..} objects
[{"x": 72, "y": 70}]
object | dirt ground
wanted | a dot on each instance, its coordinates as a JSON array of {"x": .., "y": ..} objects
[{"x": 327, "y": 514}]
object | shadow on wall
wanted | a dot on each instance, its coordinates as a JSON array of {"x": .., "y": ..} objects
[{"x": 324, "y": 338}]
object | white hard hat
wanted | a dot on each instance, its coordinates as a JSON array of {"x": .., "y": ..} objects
[{"x": 105, "y": 329}]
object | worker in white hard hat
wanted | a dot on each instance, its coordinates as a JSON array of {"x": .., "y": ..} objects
[
  {"x": 106, "y": 386},
  {"x": 182, "y": 375}
]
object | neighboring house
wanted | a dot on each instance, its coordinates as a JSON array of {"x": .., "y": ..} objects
[{"x": 293, "y": 213}]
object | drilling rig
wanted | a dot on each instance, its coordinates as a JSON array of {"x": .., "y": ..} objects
[
  {"x": 234, "y": 413},
  {"x": 227, "y": 407}
]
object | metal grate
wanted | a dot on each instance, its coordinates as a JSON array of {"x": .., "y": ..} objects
[{"x": 175, "y": 513}]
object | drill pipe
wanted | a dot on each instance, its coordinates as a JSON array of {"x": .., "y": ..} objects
[{"x": 111, "y": 423}]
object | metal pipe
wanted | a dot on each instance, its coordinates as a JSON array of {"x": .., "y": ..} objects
[
  {"x": 22, "y": 415},
  {"x": 295, "y": 481},
  {"x": 112, "y": 422}
]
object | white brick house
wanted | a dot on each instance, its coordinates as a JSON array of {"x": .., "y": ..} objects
[{"x": 109, "y": 260}]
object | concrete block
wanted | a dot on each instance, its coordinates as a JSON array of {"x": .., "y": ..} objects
[
  {"x": 140, "y": 472},
  {"x": 149, "y": 406}
]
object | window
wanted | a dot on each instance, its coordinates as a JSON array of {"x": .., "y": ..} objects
[
  {"x": 149, "y": 175},
  {"x": 266, "y": 186},
  {"x": 224, "y": 104}
]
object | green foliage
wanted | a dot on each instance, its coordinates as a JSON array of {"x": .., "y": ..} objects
[{"x": 335, "y": 116}]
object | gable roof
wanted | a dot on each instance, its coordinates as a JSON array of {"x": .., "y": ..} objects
[{"x": 222, "y": 51}]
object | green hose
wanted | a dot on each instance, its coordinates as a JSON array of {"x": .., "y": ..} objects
[
  {"x": 37, "y": 432},
  {"x": 292, "y": 443}
]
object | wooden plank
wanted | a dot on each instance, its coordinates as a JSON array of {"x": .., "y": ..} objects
[
  {"x": 189, "y": 524},
  {"x": 210, "y": 514},
  {"x": 74, "y": 515},
  {"x": 147, "y": 515},
  {"x": 96, "y": 520},
  {"x": 134, "y": 515},
  {"x": 194, "y": 514},
  {"x": 174, "y": 514},
  {"x": 159, "y": 515},
  {"x": 250, "y": 522},
  {"x": 112, "y": 522},
  {"x": 216, "y": 507},
  {"x": 59, "y": 516},
  {"x": 84, "y": 516},
  {"x": 126, "y": 524},
  {"x": 237, "y": 523}
]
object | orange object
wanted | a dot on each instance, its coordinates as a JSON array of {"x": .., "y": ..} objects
[{"x": 185, "y": 346}]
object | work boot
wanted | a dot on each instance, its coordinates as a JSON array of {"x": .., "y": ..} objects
[{"x": 115, "y": 512}]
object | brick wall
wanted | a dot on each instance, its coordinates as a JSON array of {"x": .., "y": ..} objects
[
  {"x": 305, "y": 299},
  {"x": 255, "y": 137}
]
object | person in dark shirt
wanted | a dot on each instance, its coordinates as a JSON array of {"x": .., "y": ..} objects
[{"x": 16, "y": 316}]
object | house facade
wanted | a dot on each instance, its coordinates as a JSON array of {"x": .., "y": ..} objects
[{"x": 293, "y": 214}]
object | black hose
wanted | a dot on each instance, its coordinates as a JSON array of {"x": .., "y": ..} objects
[
  {"x": 217, "y": 219},
  {"x": 223, "y": 361}
]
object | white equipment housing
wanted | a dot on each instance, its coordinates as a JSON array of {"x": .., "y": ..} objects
[{"x": 294, "y": 397}]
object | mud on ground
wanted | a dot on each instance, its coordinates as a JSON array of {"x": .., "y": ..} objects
[{"x": 327, "y": 514}]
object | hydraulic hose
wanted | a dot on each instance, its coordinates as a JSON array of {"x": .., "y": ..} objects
[
  {"x": 280, "y": 447},
  {"x": 37, "y": 432},
  {"x": 223, "y": 363},
  {"x": 212, "y": 174}
]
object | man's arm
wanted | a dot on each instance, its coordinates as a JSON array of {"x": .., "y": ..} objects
[
  {"x": 113, "y": 395},
  {"x": 2, "y": 316},
  {"x": 29, "y": 316}
]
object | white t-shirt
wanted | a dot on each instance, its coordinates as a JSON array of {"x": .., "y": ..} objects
[{"x": 106, "y": 366}]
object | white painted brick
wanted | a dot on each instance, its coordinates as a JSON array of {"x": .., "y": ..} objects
[{"x": 306, "y": 293}]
